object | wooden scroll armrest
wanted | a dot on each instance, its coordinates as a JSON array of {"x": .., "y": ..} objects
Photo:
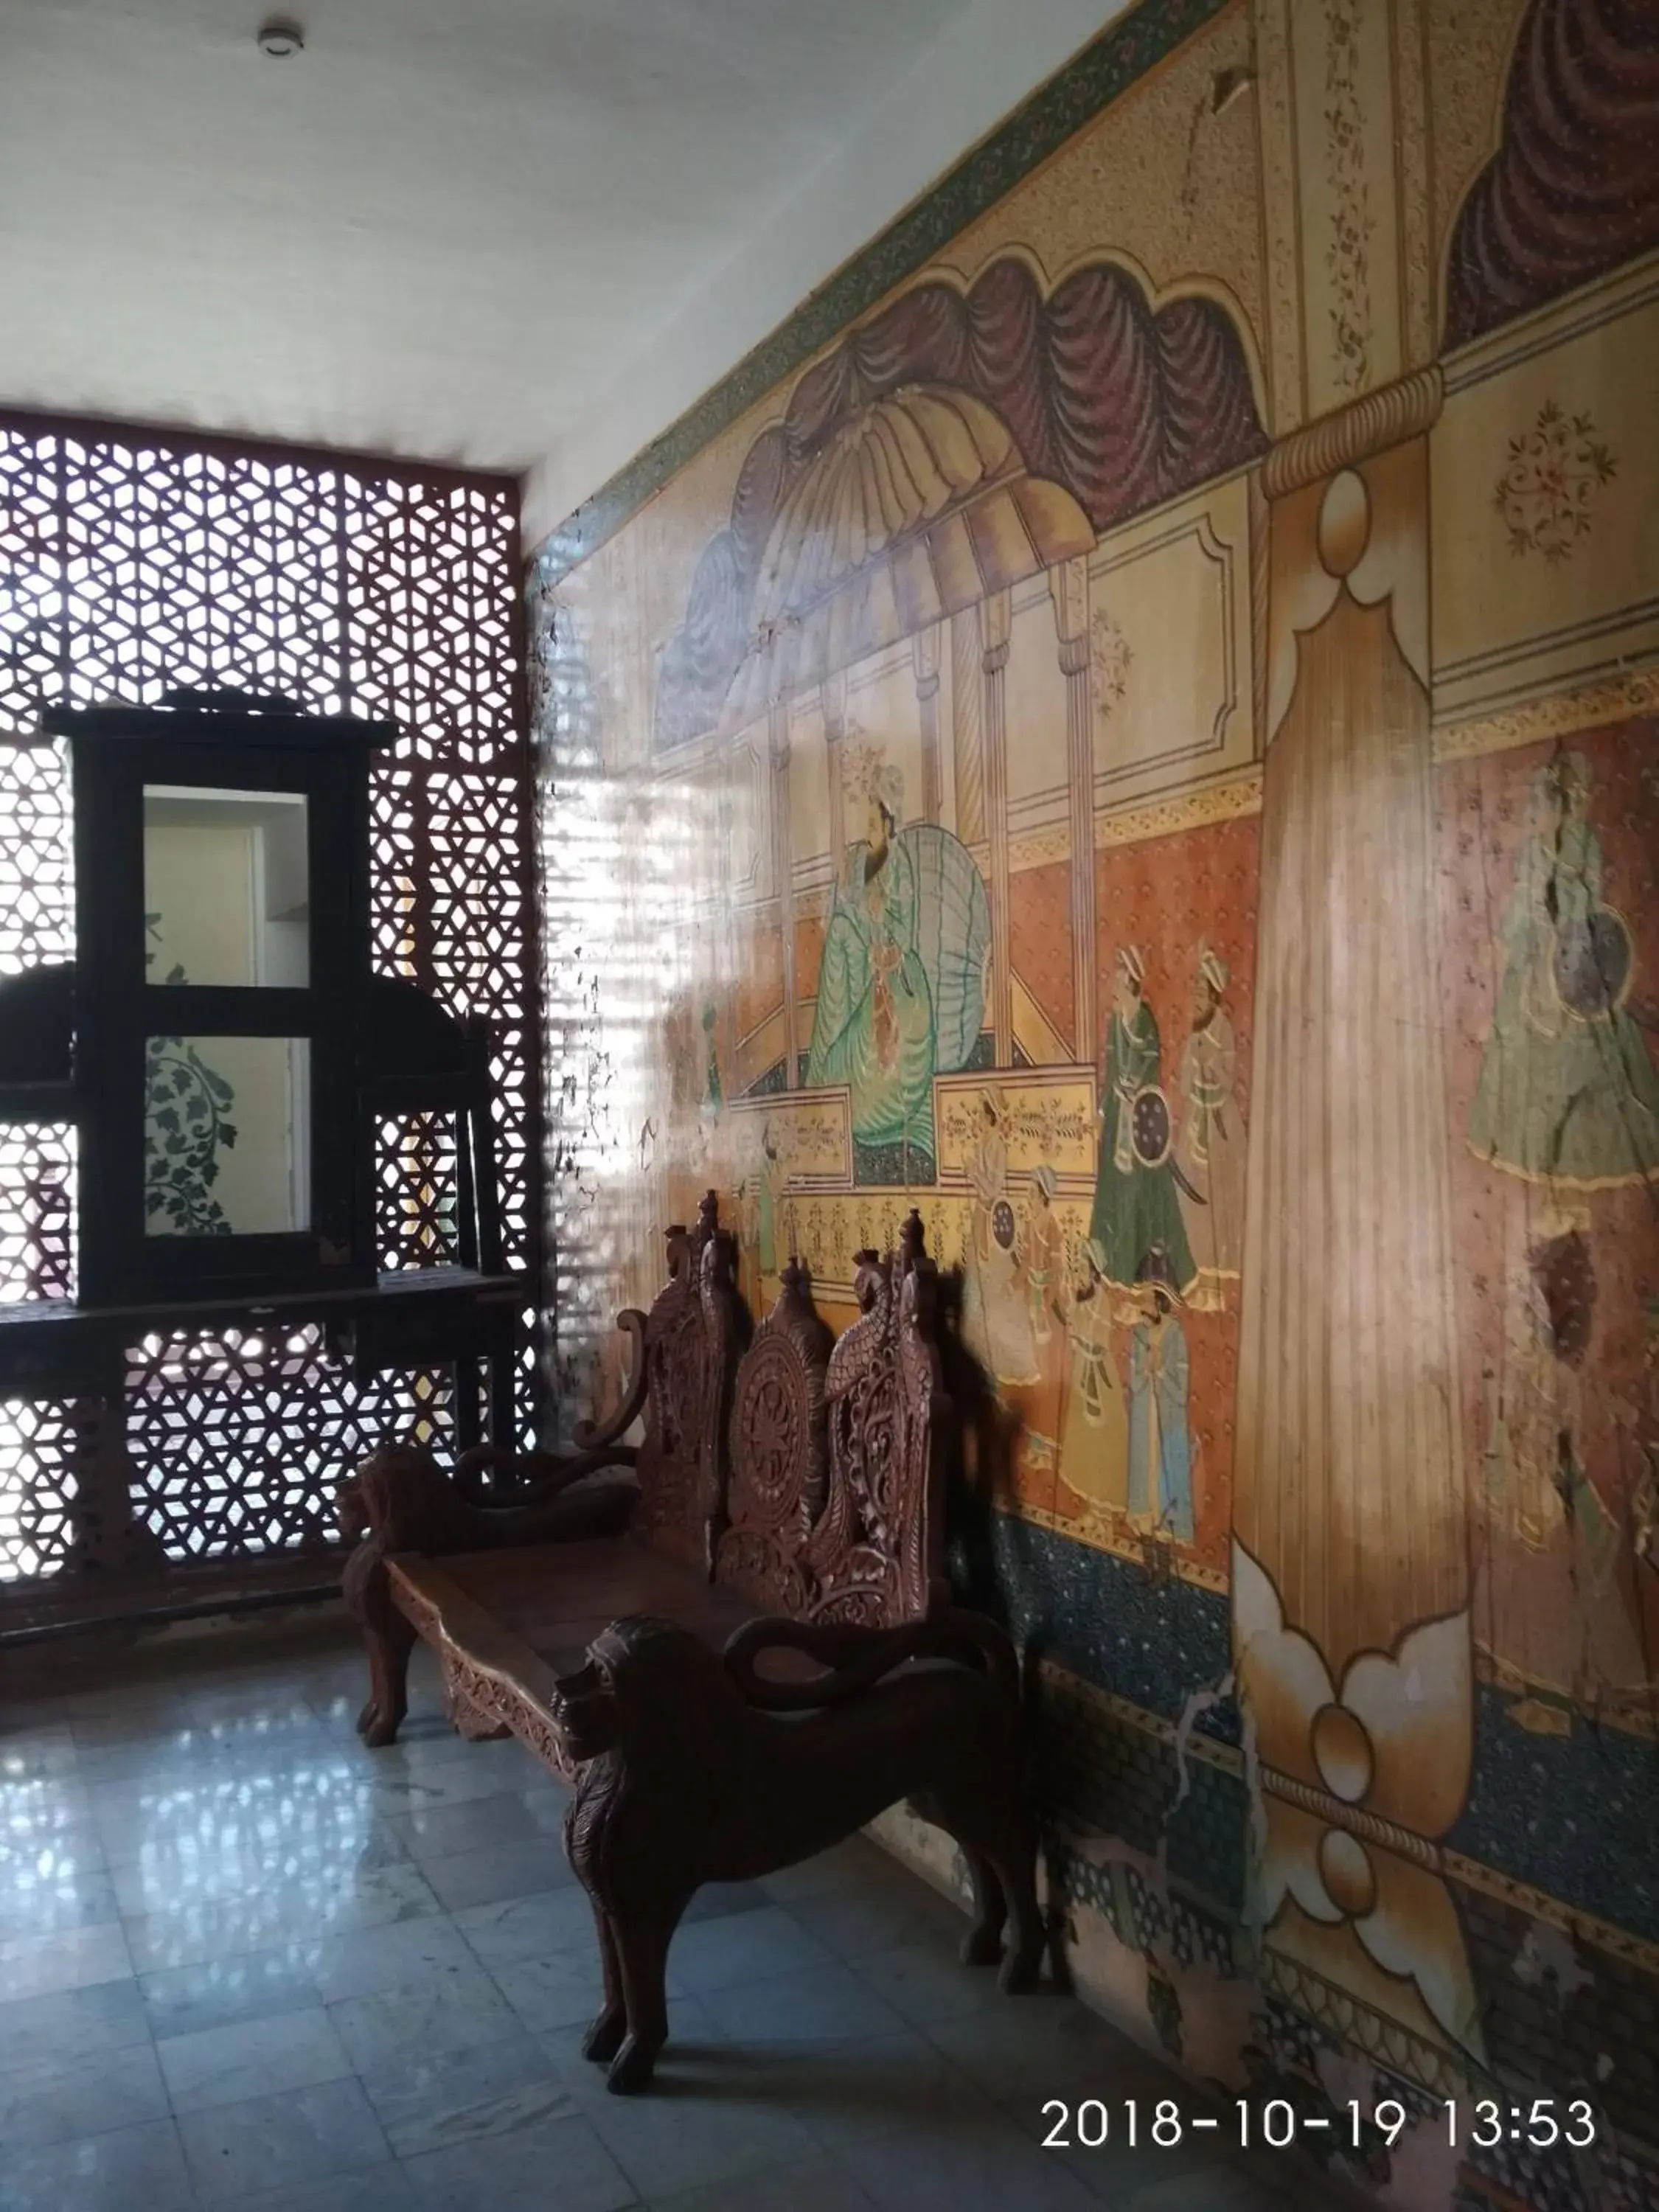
[
  {"x": 852, "y": 1658},
  {"x": 402, "y": 1501},
  {"x": 600, "y": 1436},
  {"x": 535, "y": 1477}
]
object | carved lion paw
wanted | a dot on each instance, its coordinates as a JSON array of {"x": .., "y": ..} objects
[
  {"x": 603, "y": 2040},
  {"x": 631, "y": 2068},
  {"x": 377, "y": 1729}
]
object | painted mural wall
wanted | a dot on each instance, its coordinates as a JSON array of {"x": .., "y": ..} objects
[{"x": 1133, "y": 726}]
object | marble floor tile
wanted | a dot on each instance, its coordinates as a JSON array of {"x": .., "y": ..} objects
[
  {"x": 432, "y": 2101},
  {"x": 926, "y": 1981},
  {"x": 715, "y": 1899},
  {"x": 684, "y": 2135},
  {"x": 852, "y": 1922},
  {"x": 139, "y": 2169},
  {"x": 254, "y": 2058},
  {"x": 362, "y": 1962},
  {"x": 825, "y": 2185},
  {"x": 295, "y": 1905},
  {"x": 983, "y": 2165},
  {"x": 1043, "y": 2045},
  {"x": 452, "y": 2009},
  {"x": 33, "y": 1754},
  {"x": 72, "y": 2023},
  {"x": 218, "y": 1993},
  {"x": 49, "y": 2100},
  {"x": 33, "y": 1808},
  {"x": 1214, "y": 2188},
  {"x": 35, "y": 1966},
  {"x": 710, "y": 1954},
  {"x": 50, "y": 1889},
  {"x": 856, "y": 2092},
  {"x": 564, "y": 1989},
  {"x": 447, "y": 1781},
  {"x": 183, "y": 1933},
  {"x": 497, "y": 1872},
  {"x": 279, "y": 2142},
  {"x": 438, "y": 1831},
  {"x": 821, "y": 2004},
  {"x": 529, "y": 1927},
  {"x": 559, "y": 2164},
  {"x": 375, "y": 2189},
  {"x": 844, "y": 1865}
]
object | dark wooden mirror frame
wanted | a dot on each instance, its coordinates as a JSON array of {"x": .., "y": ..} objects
[{"x": 115, "y": 752}]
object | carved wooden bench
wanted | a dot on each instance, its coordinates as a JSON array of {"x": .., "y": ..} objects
[
  {"x": 800, "y": 1476},
  {"x": 765, "y": 1658}
]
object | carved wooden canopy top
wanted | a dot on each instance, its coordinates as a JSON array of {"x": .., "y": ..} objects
[
  {"x": 691, "y": 1339},
  {"x": 808, "y": 1474}
]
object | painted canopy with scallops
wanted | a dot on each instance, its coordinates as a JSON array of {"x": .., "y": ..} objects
[
  {"x": 1572, "y": 190},
  {"x": 955, "y": 442}
]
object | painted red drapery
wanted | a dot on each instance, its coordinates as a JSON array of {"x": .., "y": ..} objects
[
  {"x": 1573, "y": 190},
  {"x": 1122, "y": 403}
]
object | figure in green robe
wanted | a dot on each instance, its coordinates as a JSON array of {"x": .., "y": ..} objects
[
  {"x": 1568, "y": 1092},
  {"x": 902, "y": 983},
  {"x": 1136, "y": 1207}
]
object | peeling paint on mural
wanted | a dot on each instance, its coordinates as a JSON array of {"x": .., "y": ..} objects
[{"x": 1090, "y": 757}]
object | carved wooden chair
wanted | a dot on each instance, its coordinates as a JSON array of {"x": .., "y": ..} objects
[{"x": 804, "y": 1479}]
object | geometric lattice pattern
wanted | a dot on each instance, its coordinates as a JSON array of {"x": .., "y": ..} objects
[
  {"x": 36, "y": 1487},
  {"x": 417, "y": 1192},
  {"x": 37, "y": 1213},
  {"x": 238, "y": 1441},
  {"x": 129, "y": 564}
]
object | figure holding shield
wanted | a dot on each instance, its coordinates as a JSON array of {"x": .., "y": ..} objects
[{"x": 1136, "y": 1207}]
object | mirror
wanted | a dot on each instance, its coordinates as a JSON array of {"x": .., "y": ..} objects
[
  {"x": 227, "y": 1136},
  {"x": 227, "y": 899}
]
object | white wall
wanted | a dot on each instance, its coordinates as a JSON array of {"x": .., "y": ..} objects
[{"x": 982, "y": 66}]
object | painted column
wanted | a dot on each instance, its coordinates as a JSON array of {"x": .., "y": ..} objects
[
  {"x": 924, "y": 660},
  {"x": 968, "y": 726},
  {"x": 832, "y": 694},
  {"x": 783, "y": 871},
  {"x": 1068, "y": 585},
  {"x": 995, "y": 616},
  {"x": 1351, "y": 1571}
]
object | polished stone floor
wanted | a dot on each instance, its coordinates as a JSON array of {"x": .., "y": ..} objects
[{"x": 244, "y": 1961}]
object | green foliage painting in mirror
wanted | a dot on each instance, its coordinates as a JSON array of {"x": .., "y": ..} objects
[{"x": 186, "y": 1105}]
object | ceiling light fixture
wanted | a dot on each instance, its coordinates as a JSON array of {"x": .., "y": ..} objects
[{"x": 280, "y": 37}]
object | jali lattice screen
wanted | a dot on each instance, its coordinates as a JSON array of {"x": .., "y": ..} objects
[{"x": 129, "y": 564}]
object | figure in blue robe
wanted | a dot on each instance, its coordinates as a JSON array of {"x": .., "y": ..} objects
[{"x": 1160, "y": 1443}]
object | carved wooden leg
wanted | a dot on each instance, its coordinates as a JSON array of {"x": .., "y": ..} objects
[
  {"x": 1000, "y": 1847},
  {"x": 605, "y": 2038},
  {"x": 983, "y": 1945},
  {"x": 642, "y": 1954},
  {"x": 1016, "y": 1867},
  {"x": 390, "y": 1639}
]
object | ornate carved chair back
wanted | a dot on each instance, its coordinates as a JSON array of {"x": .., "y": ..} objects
[
  {"x": 779, "y": 1452},
  {"x": 693, "y": 1336},
  {"x": 877, "y": 1553}
]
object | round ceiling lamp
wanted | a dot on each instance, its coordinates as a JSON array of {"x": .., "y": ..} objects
[{"x": 281, "y": 37}]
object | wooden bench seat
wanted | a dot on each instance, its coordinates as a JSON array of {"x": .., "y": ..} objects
[{"x": 792, "y": 1474}]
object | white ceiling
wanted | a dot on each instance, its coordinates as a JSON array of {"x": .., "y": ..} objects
[{"x": 460, "y": 229}]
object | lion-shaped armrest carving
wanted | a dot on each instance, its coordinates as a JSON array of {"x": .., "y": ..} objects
[{"x": 697, "y": 1766}]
